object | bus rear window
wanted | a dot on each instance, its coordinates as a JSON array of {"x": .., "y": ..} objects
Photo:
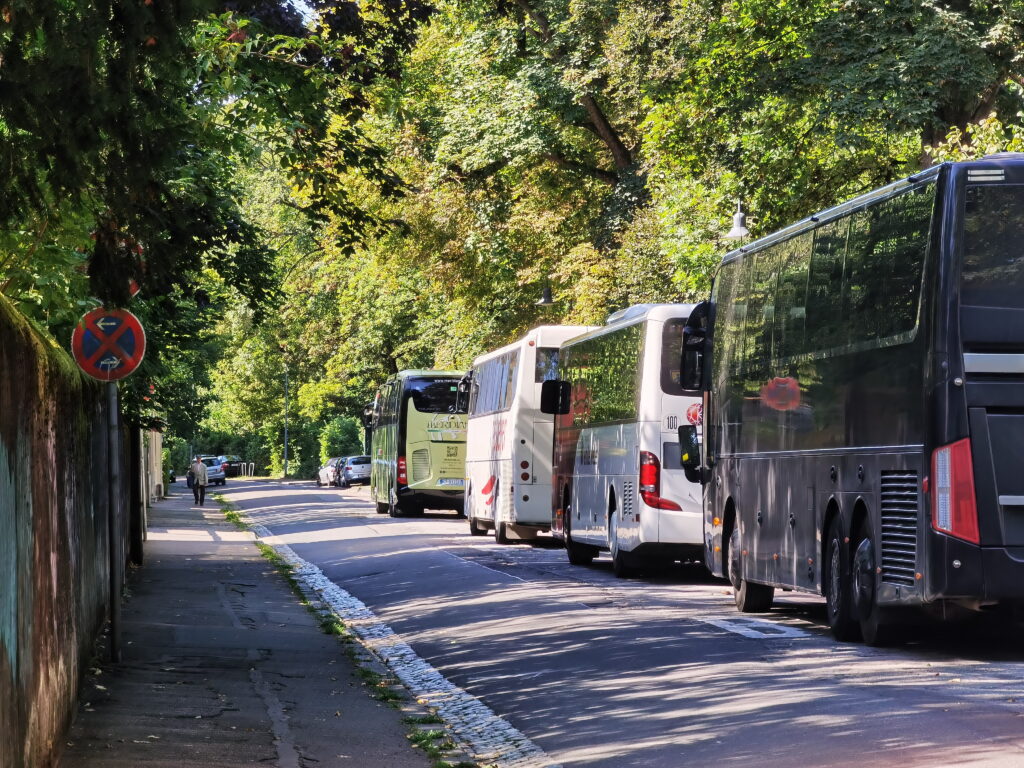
[
  {"x": 993, "y": 267},
  {"x": 547, "y": 364},
  {"x": 671, "y": 353},
  {"x": 433, "y": 395}
]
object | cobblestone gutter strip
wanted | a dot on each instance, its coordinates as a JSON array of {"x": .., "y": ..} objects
[{"x": 490, "y": 739}]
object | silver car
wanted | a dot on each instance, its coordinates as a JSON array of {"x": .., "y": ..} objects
[
  {"x": 357, "y": 469},
  {"x": 328, "y": 473},
  {"x": 214, "y": 470}
]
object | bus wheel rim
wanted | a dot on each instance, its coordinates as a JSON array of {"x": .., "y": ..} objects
[{"x": 834, "y": 578}]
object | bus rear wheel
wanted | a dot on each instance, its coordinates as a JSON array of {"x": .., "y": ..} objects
[
  {"x": 622, "y": 567},
  {"x": 475, "y": 529},
  {"x": 382, "y": 508},
  {"x": 749, "y": 596},
  {"x": 838, "y": 589},
  {"x": 501, "y": 533},
  {"x": 395, "y": 509},
  {"x": 878, "y": 625},
  {"x": 579, "y": 554}
]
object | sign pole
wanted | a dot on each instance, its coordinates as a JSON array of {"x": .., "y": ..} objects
[
  {"x": 109, "y": 344},
  {"x": 113, "y": 520}
]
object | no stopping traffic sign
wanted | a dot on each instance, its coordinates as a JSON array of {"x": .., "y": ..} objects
[{"x": 108, "y": 344}]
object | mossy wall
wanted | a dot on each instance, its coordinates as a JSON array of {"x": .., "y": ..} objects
[{"x": 54, "y": 554}]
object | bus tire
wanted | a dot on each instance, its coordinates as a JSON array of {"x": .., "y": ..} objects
[
  {"x": 839, "y": 602},
  {"x": 579, "y": 554},
  {"x": 501, "y": 534},
  {"x": 621, "y": 565},
  {"x": 394, "y": 510},
  {"x": 475, "y": 529},
  {"x": 382, "y": 508},
  {"x": 878, "y": 625},
  {"x": 750, "y": 597}
]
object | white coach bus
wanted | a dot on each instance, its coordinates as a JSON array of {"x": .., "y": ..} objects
[
  {"x": 617, "y": 482},
  {"x": 508, "y": 439}
]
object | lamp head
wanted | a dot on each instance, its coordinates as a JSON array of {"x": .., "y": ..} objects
[{"x": 739, "y": 225}]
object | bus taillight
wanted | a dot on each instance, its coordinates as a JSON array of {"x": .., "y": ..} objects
[
  {"x": 650, "y": 482},
  {"x": 403, "y": 476},
  {"x": 954, "y": 510}
]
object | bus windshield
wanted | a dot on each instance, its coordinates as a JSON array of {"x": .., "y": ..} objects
[
  {"x": 993, "y": 266},
  {"x": 433, "y": 395}
]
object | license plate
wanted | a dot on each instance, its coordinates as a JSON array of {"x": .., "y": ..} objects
[{"x": 451, "y": 481}]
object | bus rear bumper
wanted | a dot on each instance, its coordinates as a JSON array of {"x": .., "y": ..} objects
[
  {"x": 432, "y": 499},
  {"x": 659, "y": 552},
  {"x": 965, "y": 571}
]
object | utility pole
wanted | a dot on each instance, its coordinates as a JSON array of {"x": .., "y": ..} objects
[{"x": 286, "y": 420}]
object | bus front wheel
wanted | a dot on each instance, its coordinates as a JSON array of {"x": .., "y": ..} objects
[{"x": 750, "y": 597}]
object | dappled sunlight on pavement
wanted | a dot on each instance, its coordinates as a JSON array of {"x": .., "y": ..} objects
[{"x": 661, "y": 670}]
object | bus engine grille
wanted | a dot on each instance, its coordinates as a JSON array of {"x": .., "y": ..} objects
[
  {"x": 420, "y": 465},
  {"x": 899, "y": 527}
]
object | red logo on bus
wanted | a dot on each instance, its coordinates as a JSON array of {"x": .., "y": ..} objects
[
  {"x": 695, "y": 414},
  {"x": 488, "y": 491},
  {"x": 781, "y": 393}
]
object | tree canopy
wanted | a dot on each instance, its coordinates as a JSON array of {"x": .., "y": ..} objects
[{"x": 345, "y": 189}]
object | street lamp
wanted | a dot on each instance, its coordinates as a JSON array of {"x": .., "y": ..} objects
[
  {"x": 286, "y": 420},
  {"x": 739, "y": 224},
  {"x": 284, "y": 364},
  {"x": 545, "y": 297}
]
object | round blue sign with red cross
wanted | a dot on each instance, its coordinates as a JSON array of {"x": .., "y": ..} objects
[{"x": 108, "y": 344}]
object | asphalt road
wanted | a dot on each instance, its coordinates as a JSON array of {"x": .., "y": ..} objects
[{"x": 658, "y": 671}]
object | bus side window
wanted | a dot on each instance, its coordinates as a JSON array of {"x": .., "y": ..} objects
[
  {"x": 791, "y": 300},
  {"x": 511, "y": 379},
  {"x": 825, "y": 325},
  {"x": 885, "y": 257},
  {"x": 760, "y": 315}
]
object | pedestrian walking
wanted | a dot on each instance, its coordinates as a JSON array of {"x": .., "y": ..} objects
[{"x": 199, "y": 480}]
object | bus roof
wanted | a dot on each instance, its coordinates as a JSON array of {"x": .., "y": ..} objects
[
  {"x": 542, "y": 336},
  {"x": 638, "y": 313},
  {"x": 412, "y": 373},
  {"x": 990, "y": 163}
]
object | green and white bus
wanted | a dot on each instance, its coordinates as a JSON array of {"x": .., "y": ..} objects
[{"x": 418, "y": 445}]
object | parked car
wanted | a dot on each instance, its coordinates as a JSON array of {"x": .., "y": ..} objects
[
  {"x": 214, "y": 470},
  {"x": 356, "y": 469},
  {"x": 233, "y": 465},
  {"x": 328, "y": 473}
]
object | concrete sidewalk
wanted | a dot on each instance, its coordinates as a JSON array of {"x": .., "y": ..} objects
[{"x": 222, "y": 665}]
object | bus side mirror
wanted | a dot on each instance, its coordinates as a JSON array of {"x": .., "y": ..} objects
[
  {"x": 695, "y": 344},
  {"x": 367, "y": 418},
  {"x": 689, "y": 453},
  {"x": 554, "y": 397}
]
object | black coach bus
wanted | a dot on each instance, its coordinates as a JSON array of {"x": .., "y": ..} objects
[{"x": 863, "y": 373}]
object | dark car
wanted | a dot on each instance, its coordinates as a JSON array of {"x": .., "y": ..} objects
[{"x": 233, "y": 465}]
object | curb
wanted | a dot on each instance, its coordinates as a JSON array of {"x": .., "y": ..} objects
[{"x": 471, "y": 734}]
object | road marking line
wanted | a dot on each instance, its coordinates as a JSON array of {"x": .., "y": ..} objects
[
  {"x": 757, "y": 630},
  {"x": 488, "y": 737}
]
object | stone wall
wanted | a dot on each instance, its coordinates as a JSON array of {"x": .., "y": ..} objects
[{"x": 54, "y": 542}]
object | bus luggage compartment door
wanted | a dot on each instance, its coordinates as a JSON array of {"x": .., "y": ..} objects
[{"x": 996, "y": 443}]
